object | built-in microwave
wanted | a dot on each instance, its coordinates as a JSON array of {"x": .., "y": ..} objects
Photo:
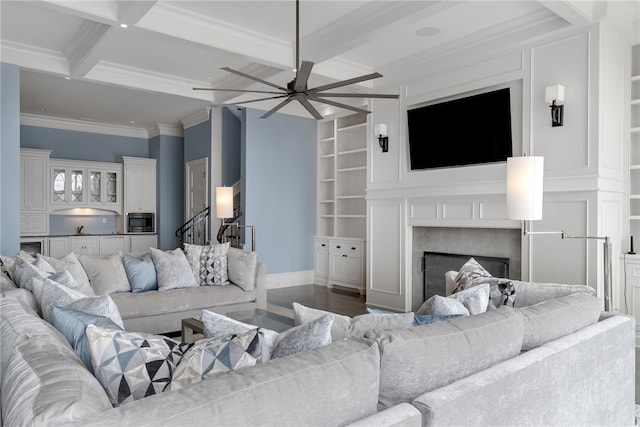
[{"x": 138, "y": 222}]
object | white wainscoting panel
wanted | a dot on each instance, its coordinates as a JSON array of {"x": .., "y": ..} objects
[
  {"x": 385, "y": 278},
  {"x": 286, "y": 280},
  {"x": 457, "y": 210}
]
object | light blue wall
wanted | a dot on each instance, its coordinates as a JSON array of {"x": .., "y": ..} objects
[
  {"x": 231, "y": 144},
  {"x": 279, "y": 188},
  {"x": 9, "y": 159},
  {"x": 75, "y": 145},
  {"x": 197, "y": 141},
  {"x": 169, "y": 153}
]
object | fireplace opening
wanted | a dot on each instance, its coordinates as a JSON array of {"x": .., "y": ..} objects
[{"x": 436, "y": 264}]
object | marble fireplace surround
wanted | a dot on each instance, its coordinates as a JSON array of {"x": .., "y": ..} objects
[{"x": 493, "y": 242}]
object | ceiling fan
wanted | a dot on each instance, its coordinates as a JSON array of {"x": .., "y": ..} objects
[{"x": 297, "y": 90}]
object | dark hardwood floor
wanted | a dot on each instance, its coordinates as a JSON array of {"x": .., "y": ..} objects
[{"x": 335, "y": 300}]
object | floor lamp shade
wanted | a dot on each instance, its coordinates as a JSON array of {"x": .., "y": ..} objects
[
  {"x": 524, "y": 187},
  {"x": 224, "y": 202}
]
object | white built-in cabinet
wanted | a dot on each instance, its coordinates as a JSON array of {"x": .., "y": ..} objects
[
  {"x": 634, "y": 148},
  {"x": 632, "y": 283},
  {"x": 58, "y": 247},
  {"x": 140, "y": 184},
  {"x": 33, "y": 191},
  {"x": 80, "y": 184},
  {"x": 84, "y": 245},
  {"x": 142, "y": 242},
  {"x": 341, "y": 221}
]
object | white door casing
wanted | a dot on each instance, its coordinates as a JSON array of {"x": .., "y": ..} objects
[{"x": 197, "y": 186}]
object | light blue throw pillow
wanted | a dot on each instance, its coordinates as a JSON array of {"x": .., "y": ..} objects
[
  {"x": 420, "y": 319},
  {"x": 72, "y": 324},
  {"x": 141, "y": 273}
]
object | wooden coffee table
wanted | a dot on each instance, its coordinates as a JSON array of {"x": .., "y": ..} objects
[{"x": 191, "y": 327}]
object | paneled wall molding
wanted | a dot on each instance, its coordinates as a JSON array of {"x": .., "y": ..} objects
[{"x": 82, "y": 126}]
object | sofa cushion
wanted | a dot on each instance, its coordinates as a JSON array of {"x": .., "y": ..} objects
[
  {"x": 141, "y": 273},
  {"x": 242, "y": 267},
  {"x": 173, "y": 270},
  {"x": 106, "y": 273},
  {"x": 177, "y": 300},
  {"x": 208, "y": 263},
  {"x": 72, "y": 324},
  {"x": 132, "y": 365},
  {"x": 43, "y": 381},
  {"x": 555, "y": 318},
  {"x": 347, "y": 327},
  {"x": 427, "y": 357},
  {"x": 211, "y": 356},
  {"x": 530, "y": 293}
]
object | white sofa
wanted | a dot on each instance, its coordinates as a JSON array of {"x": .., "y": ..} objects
[{"x": 465, "y": 371}]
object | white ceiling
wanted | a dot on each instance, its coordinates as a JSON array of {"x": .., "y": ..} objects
[{"x": 144, "y": 75}]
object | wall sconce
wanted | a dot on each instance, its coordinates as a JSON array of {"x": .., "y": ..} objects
[
  {"x": 554, "y": 95},
  {"x": 380, "y": 130},
  {"x": 224, "y": 202},
  {"x": 525, "y": 176}
]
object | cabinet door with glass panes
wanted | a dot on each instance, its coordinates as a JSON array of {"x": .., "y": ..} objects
[
  {"x": 67, "y": 185},
  {"x": 103, "y": 189}
]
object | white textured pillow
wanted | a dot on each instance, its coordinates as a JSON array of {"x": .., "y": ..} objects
[
  {"x": 72, "y": 264},
  {"x": 25, "y": 273},
  {"x": 106, "y": 273},
  {"x": 173, "y": 269},
  {"x": 438, "y": 305},
  {"x": 305, "y": 337},
  {"x": 347, "y": 327},
  {"x": 242, "y": 267},
  {"x": 475, "y": 298}
]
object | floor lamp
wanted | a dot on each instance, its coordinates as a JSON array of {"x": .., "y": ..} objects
[{"x": 525, "y": 177}]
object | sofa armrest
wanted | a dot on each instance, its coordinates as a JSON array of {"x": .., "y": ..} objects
[
  {"x": 261, "y": 285},
  {"x": 401, "y": 415}
]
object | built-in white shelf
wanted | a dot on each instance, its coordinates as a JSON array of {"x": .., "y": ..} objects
[
  {"x": 354, "y": 126},
  {"x": 357, "y": 168},
  {"x": 635, "y": 130},
  {"x": 351, "y": 216},
  {"x": 356, "y": 196},
  {"x": 359, "y": 150}
]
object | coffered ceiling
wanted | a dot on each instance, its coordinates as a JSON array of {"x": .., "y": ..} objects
[{"x": 78, "y": 63}]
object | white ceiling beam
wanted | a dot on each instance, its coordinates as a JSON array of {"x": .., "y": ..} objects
[
  {"x": 99, "y": 11},
  {"x": 95, "y": 37},
  {"x": 575, "y": 12}
]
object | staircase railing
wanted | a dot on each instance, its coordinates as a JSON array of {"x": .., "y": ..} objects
[{"x": 195, "y": 231}]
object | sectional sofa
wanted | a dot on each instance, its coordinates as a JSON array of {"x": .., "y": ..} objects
[{"x": 558, "y": 361}]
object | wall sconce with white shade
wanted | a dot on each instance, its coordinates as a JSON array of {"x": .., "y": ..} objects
[
  {"x": 380, "y": 131},
  {"x": 554, "y": 95},
  {"x": 224, "y": 210},
  {"x": 525, "y": 176}
]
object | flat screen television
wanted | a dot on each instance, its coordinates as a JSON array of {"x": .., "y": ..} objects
[{"x": 465, "y": 131}]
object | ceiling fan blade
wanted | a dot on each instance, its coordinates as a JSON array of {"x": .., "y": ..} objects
[
  {"x": 276, "y": 108},
  {"x": 310, "y": 108},
  {"x": 340, "y": 105},
  {"x": 346, "y": 82},
  {"x": 240, "y": 73},
  {"x": 258, "y": 100},
  {"x": 356, "y": 95},
  {"x": 302, "y": 76},
  {"x": 238, "y": 90}
]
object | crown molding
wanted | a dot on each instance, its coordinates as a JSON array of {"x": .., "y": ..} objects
[
  {"x": 82, "y": 126},
  {"x": 168, "y": 130},
  {"x": 36, "y": 58},
  {"x": 196, "y": 118}
]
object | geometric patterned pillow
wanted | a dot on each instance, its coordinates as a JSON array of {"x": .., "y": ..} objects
[
  {"x": 132, "y": 365},
  {"x": 208, "y": 263},
  {"x": 212, "y": 356}
]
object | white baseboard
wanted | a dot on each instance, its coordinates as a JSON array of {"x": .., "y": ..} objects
[{"x": 293, "y": 278}]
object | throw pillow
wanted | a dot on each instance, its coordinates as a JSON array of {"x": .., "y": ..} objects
[
  {"x": 442, "y": 306},
  {"x": 173, "y": 270},
  {"x": 51, "y": 293},
  {"x": 307, "y": 336},
  {"x": 65, "y": 278},
  {"x": 347, "y": 327},
  {"x": 420, "y": 319},
  {"x": 132, "y": 365},
  {"x": 141, "y": 273},
  {"x": 26, "y": 272},
  {"x": 208, "y": 263},
  {"x": 217, "y": 325},
  {"x": 71, "y": 263},
  {"x": 43, "y": 265},
  {"x": 470, "y": 274},
  {"x": 475, "y": 298},
  {"x": 212, "y": 356},
  {"x": 72, "y": 324},
  {"x": 106, "y": 273},
  {"x": 242, "y": 266}
]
